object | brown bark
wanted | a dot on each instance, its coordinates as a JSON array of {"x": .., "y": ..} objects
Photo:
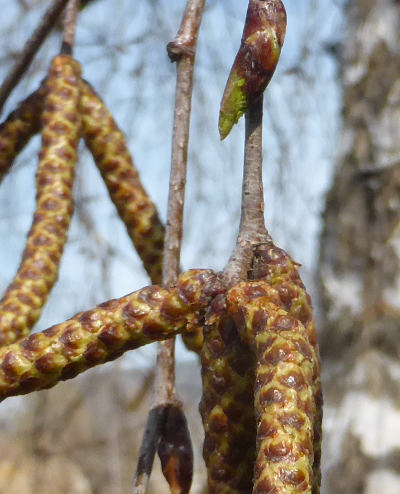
[{"x": 359, "y": 266}]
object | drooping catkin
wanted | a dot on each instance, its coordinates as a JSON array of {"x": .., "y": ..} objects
[
  {"x": 283, "y": 390},
  {"x": 109, "y": 149},
  {"x": 275, "y": 266},
  {"x": 226, "y": 405},
  {"x": 25, "y": 297},
  {"x": 18, "y": 128},
  {"x": 108, "y": 146}
]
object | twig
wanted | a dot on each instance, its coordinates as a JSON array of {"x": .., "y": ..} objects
[
  {"x": 70, "y": 18},
  {"x": 30, "y": 49},
  {"x": 181, "y": 50},
  {"x": 252, "y": 224},
  {"x": 252, "y": 229}
]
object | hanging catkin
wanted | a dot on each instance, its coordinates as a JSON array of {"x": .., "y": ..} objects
[
  {"x": 226, "y": 405},
  {"x": 19, "y": 127},
  {"x": 23, "y": 301},
  {"x": 108, "y": 146},
  {"x": 274, "y": 315}
]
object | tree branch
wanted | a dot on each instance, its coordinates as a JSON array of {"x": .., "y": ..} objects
[
  {"x": 70, "y": 18},
  {"x": 181, "y": 50},
  {"x": 30, "y": 49}
]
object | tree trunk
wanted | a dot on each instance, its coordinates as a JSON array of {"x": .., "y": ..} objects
[{"x": 359, "y": 265}]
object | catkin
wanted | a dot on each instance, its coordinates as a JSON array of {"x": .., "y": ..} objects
[
  {"x": 23, "y": 301},
  {"x": 19, "y": 127},
  {"x": 104, "y": 333},
  {"x": 226, "y": 405},
  {"x": 283, "y": 390},
  {"x": 108, "y": 146},
  {"x": 288, "y": 292}
]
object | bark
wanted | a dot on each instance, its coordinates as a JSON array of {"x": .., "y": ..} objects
[{"x": 359, "y": 263}]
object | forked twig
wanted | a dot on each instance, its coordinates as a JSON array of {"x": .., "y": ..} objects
[
  {"x": 181, "y": 50},
  {"x": 30, "y": 49}
]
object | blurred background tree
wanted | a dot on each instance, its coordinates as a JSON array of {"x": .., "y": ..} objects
[{"x": 331, "y": 122}]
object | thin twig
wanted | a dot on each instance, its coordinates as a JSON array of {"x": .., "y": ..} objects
[
  {"x": 252, "y": 229},
  {"x": 70, "y": 18},
  {"x": 30, "y": 49},
  {"x": 181, "y": 50},
  {"x": 252, "y": 223}
]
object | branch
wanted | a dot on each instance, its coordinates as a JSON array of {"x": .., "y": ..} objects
[
  {"x": 30, "y": 49},
  {"x": 70, "y": 19},
  {"x": 181, "y": 50}
]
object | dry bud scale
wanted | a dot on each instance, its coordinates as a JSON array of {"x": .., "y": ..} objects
[
  {"x": 255, "y": 62},
  {"x": 175, "y": 451},
  {"x": 24, "y": 299}
]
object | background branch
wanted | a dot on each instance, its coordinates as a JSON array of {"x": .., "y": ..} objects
[{"x": 30, "y": 49}]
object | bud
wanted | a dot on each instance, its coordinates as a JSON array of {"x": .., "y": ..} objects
[{"x": 255, "y": 62}]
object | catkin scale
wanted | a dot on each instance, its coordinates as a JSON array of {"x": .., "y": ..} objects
[
  {"x": 104, "y": 333},
  {"x": 23, "y": 300}
]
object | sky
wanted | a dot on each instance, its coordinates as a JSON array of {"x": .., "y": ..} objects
[{"x": 122, "y": 52}]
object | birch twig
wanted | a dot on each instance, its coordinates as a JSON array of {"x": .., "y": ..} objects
[{"x": 181, "y": 50}]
